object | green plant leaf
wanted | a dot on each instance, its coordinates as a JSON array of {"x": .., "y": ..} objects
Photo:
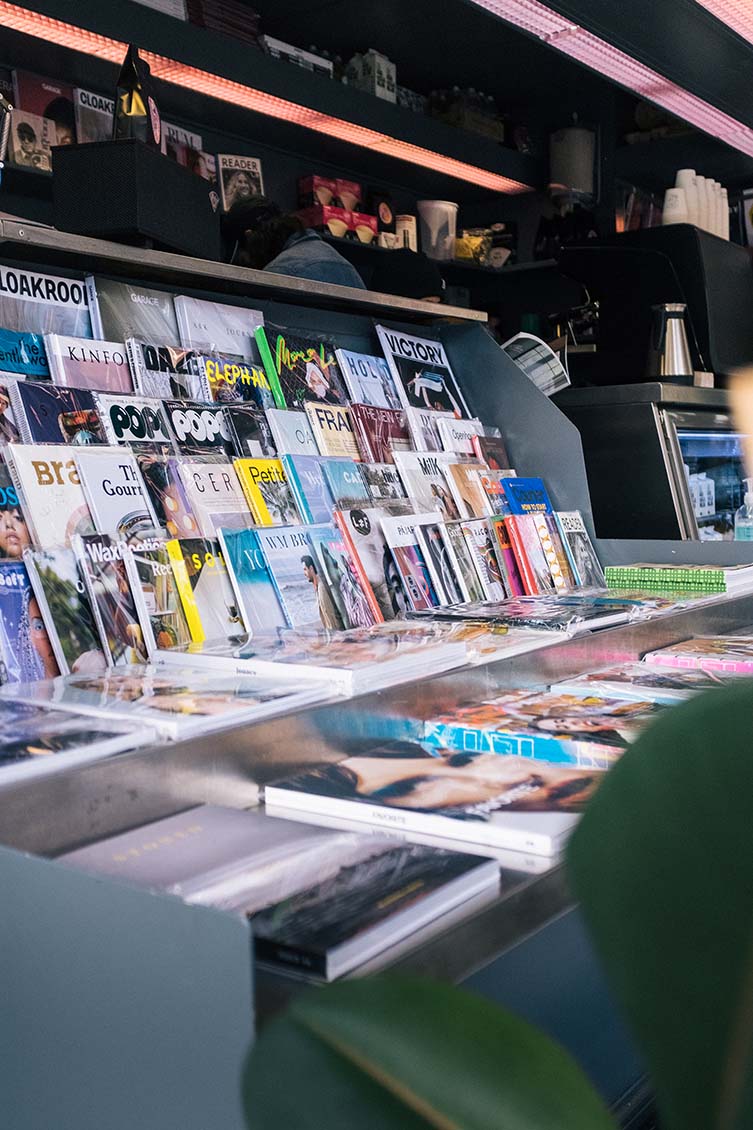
[
  {"x": 397, "y": 1053},
  {"x": 662, "y": 864}
]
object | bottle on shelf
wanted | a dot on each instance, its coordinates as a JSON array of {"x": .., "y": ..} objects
[{"x": 744, "y": 516}]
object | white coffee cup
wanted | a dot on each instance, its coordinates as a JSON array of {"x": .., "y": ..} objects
[
  {"x": 686, "y": 179},
  {"x": 675, "y": 209}
]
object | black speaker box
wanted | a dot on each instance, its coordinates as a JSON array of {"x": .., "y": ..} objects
[{"x": 129, "y": 192}]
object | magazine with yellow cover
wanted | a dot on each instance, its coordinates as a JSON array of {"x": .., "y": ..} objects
[
  {"x": 267, "y": 492},
  {"x": 203, "y": 584}
]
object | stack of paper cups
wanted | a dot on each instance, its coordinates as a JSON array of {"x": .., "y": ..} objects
[
  {"x": 686, "y": 179},
  {"x": 725, "y": 215},
  {"x": 703, "y": 203},
  {"x": 675, "y": 209}
]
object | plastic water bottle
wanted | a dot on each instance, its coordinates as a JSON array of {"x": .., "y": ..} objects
[{"x": 744, "y": 516}]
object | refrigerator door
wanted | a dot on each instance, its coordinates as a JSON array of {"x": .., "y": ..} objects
[{"x": 705, "y": 454}]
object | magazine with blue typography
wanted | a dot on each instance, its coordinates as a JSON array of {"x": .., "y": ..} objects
[
  {"x": 253, "y": 586},
  {"x": 312, "y": 495},
  {"x": 527, "y": 496},
  {"x": 23, "y": 354}
]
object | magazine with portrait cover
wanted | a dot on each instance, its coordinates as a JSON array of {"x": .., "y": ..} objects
[
  {"x": 102, "y": 565},
  {"x": 155, "y": 594},
  {"x": 233, "y": 379},
  {"x": 529, "y": 554},
  {"x": 362, "y": 531},
  {"x": 383, "y": 483},
  {"x": 379, "y": 432},
  {"x": 136, "y": 421},
  {"x": 368, "y": 379},
  {"x": 214, "y": 495},
  {"x": 94, "y": 115},
  {"x": 206, "y": 594},
  {"x": 176, "y": 702},
  {"x": 24, "y": 355},
  {"x": 422, "y": 372},
  {"x": 478, "y": 538},
  {"x": 467, "y": 489},
  {"x": 333, "y": 431},
  {"x": 30, "y": 141},
  {"x": 49, "y": 488},
  {"x": 267, "y": 492},
  {"x": 14, "y": 533},
  {"x": 120, "y": 310},
  {"x": 286, "y": 550},
  {"x": 240, "y": 178},
  {"x": 291, "y": 432},
  {"x": 48, "y": 413},
  {"x": 164, "y": 486},
  {"x": 310, "y": 491},
  {"x": 505, "y": 557},
  {"x": 254, "y": 589},
  {"x": 320, "y": 901},
  {"x": 425, "y": 482},
  {"x": 440, "y": 561},
  {"x": 346, "y": 483},
  {"x": 569, "y": 729},
  {"x": 300, "y": 367},
  {"x": 47, "y": 97},
  {"x": 491, "y": 484},
  {"x": 584, "y": 563},
  {"x": 77, "y": 362},
  {"x": 460, "y": 559},
  {"x": 9, "y": 432},
  {"x": 218, "y": 327},
  {"x": 36, "y": 741},
  {"x": 422, "y": 425},
  {"x": 114, "y": 490},
  {"x": 731, "y": 654},
  {"x": 30, "y": 655},
  {"x": 491, "y": 450},
  {"x": 31, "y": 302},
  {"x": 350, "y": 662},
  {"x": 165, "y": 371},
  {"x": 64, "y": 604},
  {"x": 402, "y": 539},
  {"x": 458, "y": 435},
  {"x": 346, "y": 583},
  {"x": 500, "y": 801},
  {"x": 252, "y": 435},
  {"x": 199, "y": 429},
  {"x": 645, "y": 682}
]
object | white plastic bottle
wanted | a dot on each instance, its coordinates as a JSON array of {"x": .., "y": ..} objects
[{"x": 744, "y": 516}]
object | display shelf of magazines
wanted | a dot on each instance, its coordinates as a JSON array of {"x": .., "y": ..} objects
[{"x": 254, "y": 545}]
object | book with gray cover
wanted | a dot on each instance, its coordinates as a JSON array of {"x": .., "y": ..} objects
[{"x": 120, "y": 310}]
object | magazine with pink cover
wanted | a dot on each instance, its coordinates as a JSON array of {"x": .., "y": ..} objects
[
  {"x": 713, "y": 653},
  {"x": 80, "y": 363}
]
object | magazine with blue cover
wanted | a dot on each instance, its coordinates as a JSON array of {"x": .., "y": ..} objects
[
  {"x": 253, "y": 586},
  {"x": 312, "y": 495},
  {"x": 30, "y": 653},
  {"x": 287, "y": 552},
  {"x": 24, "y": 354},
  {"x": 48, "y": 413},
  {"x": 346, "y": 484},
  {"x": 527, "y": 496},
  {"x": 566, "y": 729}
]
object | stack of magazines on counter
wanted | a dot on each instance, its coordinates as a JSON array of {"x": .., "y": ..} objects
[{"x": 351, "y": 861}]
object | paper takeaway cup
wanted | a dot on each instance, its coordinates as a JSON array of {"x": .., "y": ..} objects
[
  {"x": 675, "y": 209},
  {"x": 438, "y": 225}
]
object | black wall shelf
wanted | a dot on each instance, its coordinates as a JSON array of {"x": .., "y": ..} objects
[{"x": 652, "y": 164}]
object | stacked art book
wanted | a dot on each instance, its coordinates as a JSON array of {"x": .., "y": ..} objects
[{"x": 320, "y": 902}]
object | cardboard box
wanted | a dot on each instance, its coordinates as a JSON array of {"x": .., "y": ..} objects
[{"x": 313, "y": 190}]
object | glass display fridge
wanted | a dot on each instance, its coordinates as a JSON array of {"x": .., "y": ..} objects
[{"x": 663, "y": 461}]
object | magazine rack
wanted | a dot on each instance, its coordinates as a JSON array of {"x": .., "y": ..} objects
[{"x": 128, "y": 1008}]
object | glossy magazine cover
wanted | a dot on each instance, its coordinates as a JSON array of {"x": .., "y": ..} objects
[
  {"x": 554, "y": 551},
  {"x": 138, "y": 421},
  {"x": 333, "y": 430},
  {"x": 53, "y": 500},
  {"x": 529, "y": 554},
  {"x": 362, "y": 530},
  {"x": 421, "y": 371},
  {"x": 48, "y": 413},
  {"x": 423, "y": 476},
  {"x": 505, "y": 557},
  {"x": 155, "y": 594},
  {"x": 289, "y": 558},
  {"x": 217, "y": 326},
  {"x": 733, "y": 654},
  {"x": 291, "y": 432},
  {"x": 23, "y": 354},
  {"x": 214, "y": 495},
  {"x": 440, "y": 563},
  {"x": 486, "y": 799},
  {"x": 461, "y": 561},
  {"x": 201, "y": 576},
  {"x": 478, "y": 539},
  {"x": 14, "y": 533},
  {"x": 368, "y": 379},
  {"x": 96, "y": 365},
  {"x": 464, "y": 481},
  {"x": 379, "y": 432},
  {"x": 422, "y": 425},
  {"x": 252, "y": 435},
  {"x": 346, "y": 484},
  {"x": 253, "y": 586},
  {"x": 305, "y": 366},
  {"x": 236, "y": 380},
  {"x": 120, "y": 310},
  {"x": 62, "y": 598},
  {"x": 339, "y": 572},
  {"x": 107, "y": 583},
  {"x": 383, "y": 482},
  {"x": 400, "y": 535},
  {"x": 587, "y": 731},
  {"x": 9, "y": 432},
  {"x": 267, "y": 491},
  {"x": 312, "y": 495},
  {"x": 584, "y": 563},
  {"x": 199, "y": 429},
  {"x": 30, "y": 653},
  {"x": 527, "y": 496},
  {"x": 166, "y": 371},
  {"x": 114, "y": 489},
  {"x": 643, "y": 681},
  {"x": 31, "y": 302},
  {"x": 164, "y": 485}
]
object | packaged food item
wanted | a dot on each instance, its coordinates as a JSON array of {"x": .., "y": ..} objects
[{"x": 313, "y": 190}]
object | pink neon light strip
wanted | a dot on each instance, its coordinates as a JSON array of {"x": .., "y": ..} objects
[
  {"x": 577, "y": 43},
  {"x": 736, "y": 14},
  {"x": 181, "y": 74}
]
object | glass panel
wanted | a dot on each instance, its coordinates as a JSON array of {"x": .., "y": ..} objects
[{"x": 714, "y": 467}]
